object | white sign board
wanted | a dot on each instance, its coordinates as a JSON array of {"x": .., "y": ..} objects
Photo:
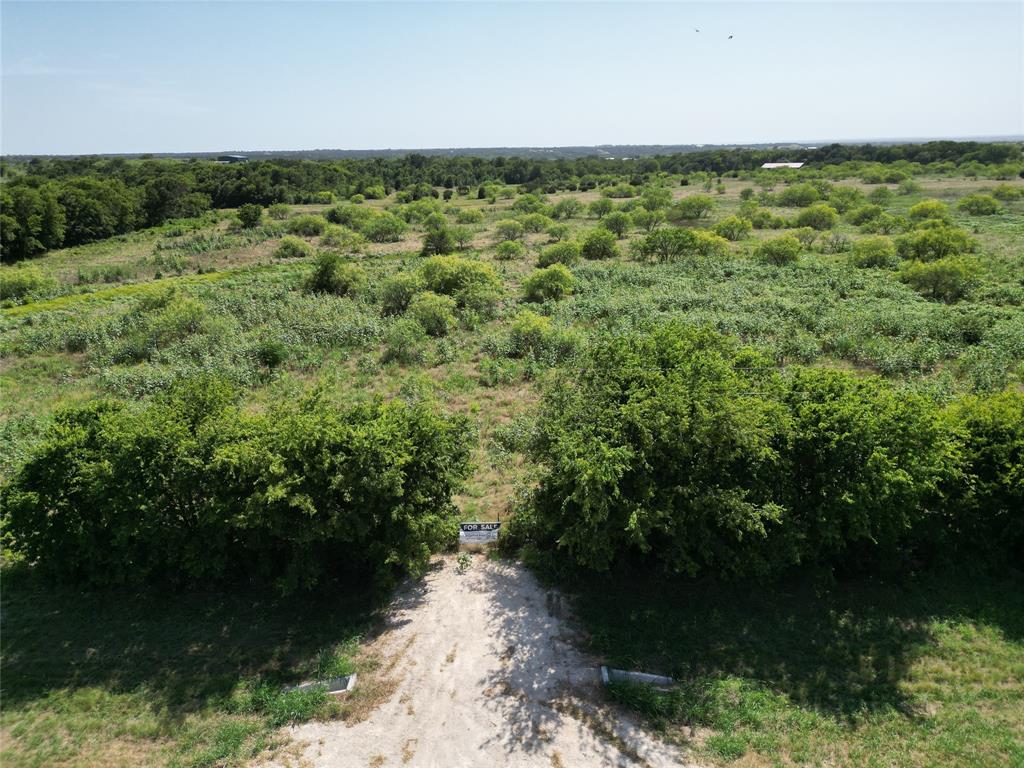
[{"x": 478, "y": 533}]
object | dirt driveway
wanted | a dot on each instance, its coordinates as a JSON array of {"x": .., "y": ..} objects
[{"x": 488, "y": 676}]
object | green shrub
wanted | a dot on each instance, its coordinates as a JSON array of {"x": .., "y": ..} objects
[
  {"x": 535, "y": 222},
  {"x": 509, "y": 229},
  {"x": 686, "y": 452},
  {"x": 799, "y": 195},
  {"x": 383, "y": 227},
  {"x": 279, "y": 211},
  {"x": 979, "y": 205},
  {"x": 733, "y": 228},
  {"x": 551, "y": 283},
  {"x": 934, "y": 242},
  {"x": 533, "y": 336},
  {"x": 509, "y": 250},
  {"x": 617, "y": 222},
  {"x": 435, "y": 313},
  {"x": 666, "y": 244},
  {"x": 397, "y": 291},
  {"x": 835, "y": 242},
  {"x": 405, "y": 343},
  {"x": 708, "y": 244},
  {"x": 864, "y": 214},
  {"x": 647, "y": 220},
  {"x": 557, "y": 232},
  {"x": 948, "y": 279},
  {"x": 331, "y": 274},
  {"x": 819, "y": 216},
  {"x": 469, "y": 216},
  {"x": 474, "y": 285},
  {"x": 292, "y": 248},
  {"x": 691, "y": 208},
  {"x": 307, "y": 226},
  {"x": 270, "y": 353},
  {"x": 341, "y": 238},
  {"x": 781, "y": 250},
  {"x": 190, "y": 489},
  {"x": 250, "y": 215},
  {"x": 929, "y": 209},
  {"x": 438, "y": 240},
  {"x": 1007, "y": 192},
  {"x": 566, "y": 252},
  {"x": 357, "y": 199},
  {"x": 22, "y": 282},
  {"x": 762, "y": 218},
  {"x": 877, "y": 252},
  {"x": 599, "y": 244},
  {"x": 806, "y": 236},
  {"x": 528, "y": 203},
  {"x": 566, "y": 208},
  {"x": 463, "y": 236}
]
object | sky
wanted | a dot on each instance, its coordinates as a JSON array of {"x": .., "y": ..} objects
[{"x": 95, "y": 77}]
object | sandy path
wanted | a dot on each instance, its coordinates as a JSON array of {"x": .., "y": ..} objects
[{"x": 488, "y": 677}]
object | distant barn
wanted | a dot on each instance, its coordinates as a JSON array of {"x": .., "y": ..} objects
[
  {"x": 232, "y": 158},
  {"x": 782, "y": 165}
]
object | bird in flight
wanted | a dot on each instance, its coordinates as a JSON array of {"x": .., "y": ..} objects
[
  {"x": 696, "y": 30},
  {"x": 730, "y": 37}
]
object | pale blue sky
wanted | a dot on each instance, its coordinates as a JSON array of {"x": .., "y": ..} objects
[{"x": 82, "y": 77}]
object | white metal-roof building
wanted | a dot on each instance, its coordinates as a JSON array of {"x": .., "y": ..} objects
[{"x": 782, "y": 165}]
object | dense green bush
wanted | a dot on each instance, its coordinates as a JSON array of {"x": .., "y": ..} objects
[
  {"x": 599, "y": 244},
  {"x": 666, "y": 244},
  {"x": 509, "y": 229},
  {"x": 690, "y": 208},
  {"x": 733, "y": 228},
  {"x": 934, "y": 242},
  {"x": 405, "y": 343},
  {"x": 438, "y": 240},
  {"x": 307, "y": 226},
  {"x": 332, "y": 274},
  {"x": 781, "y": 250},
  {"x": 474, "y": 285},
  {"x": 19, "y": 283},
  {"x": 509, "y": 250},
  {"x": 979, "y": 205},
  {"x": 383, "y": 227},
  {"x": 601, "y": 207},
  {"x": 341, "y": 238},
  {"x": 864, "y": 214},
  {"x": 567, "y": 252},
  {"x": 535, "y": 222},
  {"x": 929, "y": 209},
  {"x": 875, "y": 252},
  {"x": 469, "y": 216},
  {"x": 681, "y": 450},
  {"x": 191, "y": 489},
  {"x": 819, "y": 216},
  {"x": 799, "y": 195},
  {"x": 554, "y": 282},
  {"x": 435, "y": 313},
  {"x": 292, "y": 248},
  {"x": 250, "y": 214},
  {"x": 617, "y": 222},
  {"x": 397, "y": 291},
  {"x": 948, "y": 279},
  {"x": 566, "y": 208},
  {"x": 280, "y": 211}
]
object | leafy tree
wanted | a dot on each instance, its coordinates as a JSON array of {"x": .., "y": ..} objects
[
  {"x": 979, "y": 205},
  {"x": 438, "y": 241},
  {"x": 948, "y": 279},
  {"x": 535, "y": 222},
  {"x": 655, "y": 198},
  {"x": 599, "y": 244},
  {"x": 557, "y": 232},
  {"x": 566, "y": 208},
  {"x": 280, "y": 211},
  {"x": 666, "y": 244},
  {"x": 617, "y": 222},
  {"x": 469, "y": 216},
  {"x": 929, "y": 209},
  {"x": 383, "y": 227},
  {"x": 306, "y": 226},
  {"x": 844, "y": 198},
  {"x": 601, "y": 207},
  {"x": 691, "y": 208},
  {"x": 509, "y": 250},
  {"x": 435, "y": 313},
  {"x": 463, "y": 236},
  {"x": 292, "y": 248},
  {"x": 647, "y": 220},
  {"x": 397, "y": 291},
  {"x": 799, "y": 195},
  {"x": 528, "y": 203},
  {"x": 780, "y": 251},
  {"x": 339, "y": 238},
  {"x": 331, "y": 274},
  {"x": 819, "y": 216},
  {"x": 733, "y": 228},
  {"x": 31, "y": 221},
  {"x": 566, "y": 252},
  {"x": 934, "y": 242},
  {"x": 875, "y": 252},
  {"x": 474, "y": 285},
  {"x": 250, "y": 215},
  {"x": 550, "y": 283},
  {"x": 864, "y": 214},
  {"x": 509, "y": 229}
]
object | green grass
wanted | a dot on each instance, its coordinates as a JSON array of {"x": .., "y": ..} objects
[
  {"x": 158, "y": 679},
  {"x": 924, "y": 673}
]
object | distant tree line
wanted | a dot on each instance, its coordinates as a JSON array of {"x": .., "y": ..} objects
[{"x": 51, "y": 203}]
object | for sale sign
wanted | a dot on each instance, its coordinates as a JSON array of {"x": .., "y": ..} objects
[{"x": 478, "y": 533}]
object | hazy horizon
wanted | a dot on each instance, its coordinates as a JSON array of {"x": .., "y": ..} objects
[{"x": 130, "y": 78}]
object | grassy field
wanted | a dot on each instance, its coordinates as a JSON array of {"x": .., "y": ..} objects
[
  {"x": 919, "y": 675},
  {"x": 927, "y": 672}
]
